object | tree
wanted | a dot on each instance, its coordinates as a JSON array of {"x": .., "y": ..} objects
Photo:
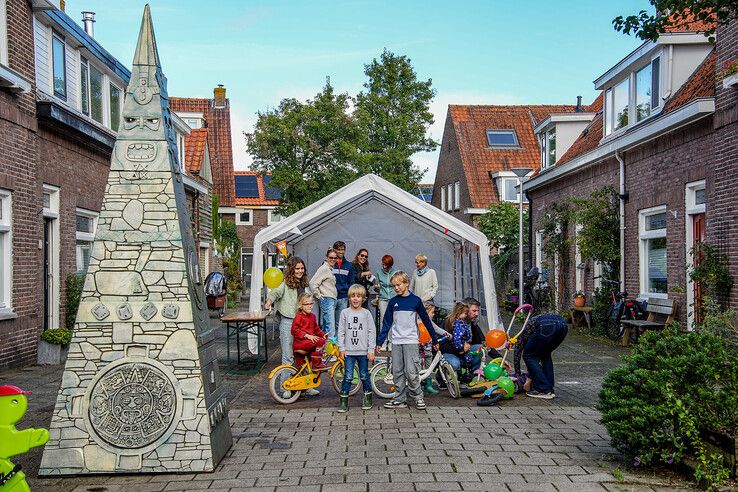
[
  {"x": 500, "y": 223},
  {"x": 310, "y": 148},
  {"x": 678, "y": 13},
  {"x": 599, "y": 218},
  {"x": 393, "y": 115}
]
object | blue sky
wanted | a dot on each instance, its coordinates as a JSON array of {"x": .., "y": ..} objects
[{"x": 476, "y": 52}]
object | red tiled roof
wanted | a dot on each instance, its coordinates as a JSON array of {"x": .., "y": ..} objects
[
  {"x": 470, "y": 125},
  {"x": 262, "y": 195},
  {"x": 219, "y": 141},
  {"x": 688, "y": 23},
  {"x": 194, "y": 145}
]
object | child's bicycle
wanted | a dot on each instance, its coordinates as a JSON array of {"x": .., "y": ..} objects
[
  {"x": 383, "y": 383},
  {"x": 287, "y": 382}
]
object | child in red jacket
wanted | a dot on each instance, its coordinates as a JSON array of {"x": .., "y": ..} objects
[{"x": 307, "y": 336}]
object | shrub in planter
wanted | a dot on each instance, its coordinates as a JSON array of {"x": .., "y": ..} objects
[
  {"x": 671, "y": 388},
  {"x": 58, "y": 336},
  {"x": 53, "y": 346}
]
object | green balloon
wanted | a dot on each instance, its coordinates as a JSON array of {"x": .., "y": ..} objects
[
  {"x": 492, "y": 372},
  {"x": 507, "y": 385}
]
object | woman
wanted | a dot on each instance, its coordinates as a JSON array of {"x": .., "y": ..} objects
[
  {"x": 386, "y": 291},
  {"x": 323, "y": 287},
  {"x": 284, "y": 299},
  {"x": 362, "y": 275},
  {"x": 535, "y": 345},
  {"x": 424, "y": 283}
]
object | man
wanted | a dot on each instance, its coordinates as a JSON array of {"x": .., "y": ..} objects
[
  {"x": 477, "y": 340},
  {"x": 344, "y": 278}
]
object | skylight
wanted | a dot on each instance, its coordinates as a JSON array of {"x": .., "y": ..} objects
[{"x": 502, "y": 138}]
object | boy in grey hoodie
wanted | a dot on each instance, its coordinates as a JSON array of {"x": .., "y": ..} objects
[{"x": 356, "y": 342}]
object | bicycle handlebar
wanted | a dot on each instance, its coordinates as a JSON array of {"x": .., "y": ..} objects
[{"x": 524, "y": 306}]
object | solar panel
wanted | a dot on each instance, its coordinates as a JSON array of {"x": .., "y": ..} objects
[
  {"x": 425, "y": 193},
  {"x": 271, "y": 192},
  {"x": 246, "y": 187}
]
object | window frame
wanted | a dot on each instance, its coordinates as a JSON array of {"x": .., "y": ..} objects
[
  {"x": 501, "y": 187},
  {"x": 449, "y": 197},
  {"x": 457, "y": 195},
  {"x": 87, "y": 237},
  {"x": 121, "y": 97},
  {"x": 443, "y": 198},
  {"x": 6, "y": 260},
  {"x": 55, "y": 36},
  {"x": 239, "y": 211},
  {"x": 654, "y": 62},
  {"x": 4, "y": 34},
  {"x": 270, "y": 217},
  {"x": 501, "y": 131},
  {"x": 84, "y": 85},
  {"x": 644, "y": 236}
]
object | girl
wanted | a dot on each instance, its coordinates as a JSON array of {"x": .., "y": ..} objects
[
  {"x": 362, "y": 275},
  {"x": 307, "y": 336},
  {"x": 462, "y": 334},
  {"x": 284, "y": 299}
]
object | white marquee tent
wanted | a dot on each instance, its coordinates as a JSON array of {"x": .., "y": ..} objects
[{"x": 373, "y": 213}]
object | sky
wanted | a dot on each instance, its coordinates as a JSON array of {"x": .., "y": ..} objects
[{"x": 475, "y": 52}]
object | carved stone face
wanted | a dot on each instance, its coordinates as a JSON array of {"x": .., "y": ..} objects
[{"x": 141, "y": 122}]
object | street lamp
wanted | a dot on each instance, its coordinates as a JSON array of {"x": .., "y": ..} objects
[{"x": 520, "y": 172}]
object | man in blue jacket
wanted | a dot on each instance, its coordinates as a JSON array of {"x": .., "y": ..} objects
[{"x": 344, "y": 278}]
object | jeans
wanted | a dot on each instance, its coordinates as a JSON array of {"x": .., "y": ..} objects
[
  {"x": 382, "y": 305},
  {"x": 341, "y": 304},
  {"x": 327, "y": 315},
  {"x": 406, "y": 372},
  {"x": 538, "y": 349},
  {"x": 285, "y": 339},
  {"x": 455, "y": 360},
  {"x": 348, "y": 376}
]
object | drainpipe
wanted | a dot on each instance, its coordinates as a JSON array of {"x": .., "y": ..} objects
[
  {"x": 622, "y": 219},
  {"x": 530, "y": 230}
]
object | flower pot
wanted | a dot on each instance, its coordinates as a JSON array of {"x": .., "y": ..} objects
[
  {"x": 513, "y": 299},
  {"x": 51, "y": 354},
  {"x": 579, "y": 301}
]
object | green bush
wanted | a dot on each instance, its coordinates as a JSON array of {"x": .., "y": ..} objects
[
  {"x": 601, "y": 302},
  {"x": 74, "y": 284},
  {"x": 57, "y": 336},
  {"x": 672, "y": 387}
]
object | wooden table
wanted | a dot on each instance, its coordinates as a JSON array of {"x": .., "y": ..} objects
[
  {"x": 581, "y": 312},
  {"x": 251, "y": 323}
]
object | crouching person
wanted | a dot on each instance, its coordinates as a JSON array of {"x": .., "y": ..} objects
[{"x": 356, "y": 342}]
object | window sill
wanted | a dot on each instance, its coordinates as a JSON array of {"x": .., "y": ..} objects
[
  {"x": 731, "y": 81},
  {"x": 13, "y": 81},
  {"x": 6, "y": 314}
]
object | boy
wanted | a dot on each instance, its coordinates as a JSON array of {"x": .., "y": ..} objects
[
  {"x": 356, "y": 345},
  {"x": 402, "y": 317}
]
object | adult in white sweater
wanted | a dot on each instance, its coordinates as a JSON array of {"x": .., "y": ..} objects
[
  {"x": 424, "y": 283},
  {"x": 323, "y": 287}
]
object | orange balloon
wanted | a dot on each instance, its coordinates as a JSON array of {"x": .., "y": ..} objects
[
  {"x": 495, "y": 338},
  {"x": 424, "y": 335}
]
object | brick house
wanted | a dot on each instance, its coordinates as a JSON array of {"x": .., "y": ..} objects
[
  {"x": 480, "y": 146},
  {"x": 653, "y": 140}
]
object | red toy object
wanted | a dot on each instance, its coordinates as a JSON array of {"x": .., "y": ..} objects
[
  {"x": 12, "y": 390},
  {"x": 423, "y": 335},
  {"x": 495, "y": 338}
]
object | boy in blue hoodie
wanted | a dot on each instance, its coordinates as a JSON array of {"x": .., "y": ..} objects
[
  {"x": 344, "y": 274},
  {"x": 402, "y": 318}
]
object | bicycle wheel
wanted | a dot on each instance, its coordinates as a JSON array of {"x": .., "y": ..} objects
[
  {"x": 381, "y": 379},
  {"x": 337, "y": 373},
  {"x": 449, "y": 378},
  {"x": 613, "y": 328},
  {"x": 276, "y": 389}
]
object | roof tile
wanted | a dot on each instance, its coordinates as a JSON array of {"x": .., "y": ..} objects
[{"x": 194, "y": 145}]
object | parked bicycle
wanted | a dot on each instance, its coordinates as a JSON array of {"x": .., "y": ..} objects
[
  {"x": 536, "y": 292},
  {"x": 621, "y": 308}
]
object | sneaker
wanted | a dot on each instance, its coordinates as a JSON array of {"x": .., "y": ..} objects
[
  {"x": 395, "y": 404},
  {"x": 420, "y": 404},
  {"x": 312, "y": 392},
  {"x": 538, "y": 394}
]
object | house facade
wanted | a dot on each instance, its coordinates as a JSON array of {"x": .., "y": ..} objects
[{"x": 653, "y": 140}]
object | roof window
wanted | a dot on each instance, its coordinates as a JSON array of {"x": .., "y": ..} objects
[{"x": 502, "y": 138}]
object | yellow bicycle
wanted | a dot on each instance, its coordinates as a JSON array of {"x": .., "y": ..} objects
[{"x": 287, "y": 382}]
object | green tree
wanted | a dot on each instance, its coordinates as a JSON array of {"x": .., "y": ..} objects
[
  {"x": 598, "y": 216},
  {"x": 675, "y": 13},
  {"x": 500, "y": 223},
  {"x": 309, "y": 147},
  {"x": 394, "y": 116}
]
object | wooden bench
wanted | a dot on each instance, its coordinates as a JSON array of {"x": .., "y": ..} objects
[
  {"x": 660, "y": 315},
  {"x": 581, "y": 312}
]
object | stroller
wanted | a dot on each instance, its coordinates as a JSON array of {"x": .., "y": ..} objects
[{"x": 215, "y": 292}]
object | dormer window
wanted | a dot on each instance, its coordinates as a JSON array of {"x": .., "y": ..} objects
[
  {"x": 547, "y": 142},
  {"x": 502, "y": 138},
  {"x": 634, "y": 98}
]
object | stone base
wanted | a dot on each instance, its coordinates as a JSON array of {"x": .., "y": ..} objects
[{"x": 51, "y": 354}]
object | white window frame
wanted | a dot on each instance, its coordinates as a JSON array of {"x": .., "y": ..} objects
[
  {"x": 449, "y": 197},
  {"x": 457, "y": 195},
  {"x": 597, "y": 274},
  {"x": 87, "y": 237},
  {"x": 644, "y": 236},
  {"x": 543, "y": 143},
  {"x": 501, "y": 189},
  {"x": 270, "y": 217},
  {"x": 52, "y": 212},
  {"x": 691, "y": 208},
  {"x": 539, "y": 250},
  {"x": 59, "y": 37},
  {"x": 443, "y": 198},
  {"x": 6, "y": 240},
  {"x": 631, "y": 77},
  {"x": 239, "y": 211},
  {"x": 3, "y": 34},
  {"x": 106, "y": 81},
  {"x": 181, "y": 151},
  {"x": 122, "y": 97},
  {"x": 510, "y": 131}
]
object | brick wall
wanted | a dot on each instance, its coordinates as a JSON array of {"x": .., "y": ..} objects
[
  {"x": 722, "y": 209},
  {"x": 450, "y": 170},
  {"x": 248, "y": 233}
]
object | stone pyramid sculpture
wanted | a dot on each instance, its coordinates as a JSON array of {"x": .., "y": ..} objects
[{"x": 141, "y": 390}]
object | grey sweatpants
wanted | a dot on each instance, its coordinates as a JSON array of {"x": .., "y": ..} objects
[{"x": 406, "y": 371}]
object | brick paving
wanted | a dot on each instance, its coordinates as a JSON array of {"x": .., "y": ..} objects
[{"x": 522, "y": 444}]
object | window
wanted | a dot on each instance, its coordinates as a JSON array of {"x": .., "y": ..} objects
[
  {"x": 608, "y": 111},
  {"x": 502, "y": 138},
  {"x": 508, "y": 188},
  {"x": 115, "y": 104},
  {"x": 643, "y": 93},
  {"x": 244, "y": 217},
  {"x": 84, "y": 83},
  {"x": 6, "y": 251},
  {"x": 634, "y": 99},
  {"x": 547, "y": 141},
  {"x": 620, "y": 104},
  {"x": 655, "y": 78},
  {"x": 3, "y": 34},
  {"x": 273, "y": 217},
  {"x": 96, "y": 94},
  {"x": 443, "y": 198},
  {"x": 86, "y": 224},
  {"x": 653, "y": 270},
  {"x": 193, "y": 123},
  {"x": 450, "y": 197},
  {"x": 457, "y": 195},
  {"x": 59, "y": 65},
  {"x": 181, "y": 151},
  {"x": 247, "y": 260}
]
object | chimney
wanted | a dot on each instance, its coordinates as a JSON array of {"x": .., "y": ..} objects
[
  {"x": 219, "y": 94},
  {"x": 579, "y": 108},
  {"x": 88, "y": 19}
]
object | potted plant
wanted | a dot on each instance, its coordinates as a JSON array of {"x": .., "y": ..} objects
[
  {"x": 513, "y": 296},
  {"x": 579, "y": 299},
  {"x": 729, "y": 73},
  {"x": 54, "y": 346}
]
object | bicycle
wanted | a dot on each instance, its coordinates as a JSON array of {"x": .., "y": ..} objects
[
  {"x": 383, "y": 383},
  {"x": 287, "y": 382},
  {"x": 621, "y": 307}
]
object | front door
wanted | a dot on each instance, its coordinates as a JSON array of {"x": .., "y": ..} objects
[
  {"x": 698, "y": 237},
  {"x": 48, "y": 275}
]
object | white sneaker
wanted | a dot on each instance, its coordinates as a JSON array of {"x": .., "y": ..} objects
[{"x": 312, "y": 392}]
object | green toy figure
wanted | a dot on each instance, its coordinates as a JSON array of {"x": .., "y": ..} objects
[{"x": 13, "y": 442}]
